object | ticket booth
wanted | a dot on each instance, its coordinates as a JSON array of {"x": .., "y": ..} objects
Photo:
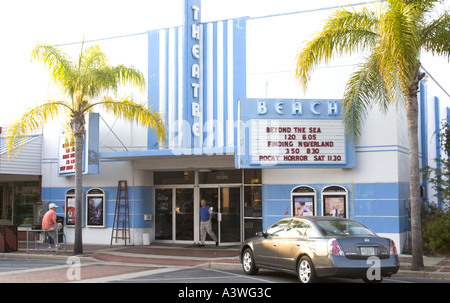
[
  {"x": 303, "y": 201},
  {"x": 95, "y": 205}
]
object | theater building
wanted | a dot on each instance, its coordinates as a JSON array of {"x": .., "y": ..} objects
[{"x": 241, "y": 135}]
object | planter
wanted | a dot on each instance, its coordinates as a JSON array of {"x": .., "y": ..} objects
[{"x": 8, "y": 238}]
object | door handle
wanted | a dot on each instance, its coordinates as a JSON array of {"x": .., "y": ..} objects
[{"x": 275, "y": 244}]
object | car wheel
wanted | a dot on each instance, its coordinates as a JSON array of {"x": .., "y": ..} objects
[
  {"x": 248, "y": 263},
  {"x": 305, "y": 270}
]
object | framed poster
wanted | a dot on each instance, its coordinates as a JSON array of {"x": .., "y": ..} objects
[
  {"x": 303, "y": 201},
  {"x": 334, "y": 199},
  {"x": 95, "y": 199},
  {"x": 303, "y": 206},
  {"x": 69, "y": 207},
  {"x": 334, "y": 206}
]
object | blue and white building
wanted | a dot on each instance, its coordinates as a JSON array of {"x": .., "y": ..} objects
[{"x": 241, "y": 135}]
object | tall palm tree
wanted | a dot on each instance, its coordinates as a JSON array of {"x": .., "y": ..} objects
[
  {"x": 86, "y": 83},
  {"x": 391, "y": 37}
]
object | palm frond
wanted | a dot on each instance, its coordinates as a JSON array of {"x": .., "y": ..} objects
[
  {"x": 343, "y": 33},
  {"x": 57, "y": 62},
  {"x": 135, "y": 112},
  {"x": 400, "y": 41},
  {"x": 436, "y": 35},
  {"x": 365, "y": 86},
  {"x": 31, "y": 121}
]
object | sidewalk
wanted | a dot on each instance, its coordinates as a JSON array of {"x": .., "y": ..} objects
[{"x": 157, "y": 256}]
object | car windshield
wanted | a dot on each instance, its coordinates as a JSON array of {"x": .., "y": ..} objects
[{"x": 343, "y": 228}]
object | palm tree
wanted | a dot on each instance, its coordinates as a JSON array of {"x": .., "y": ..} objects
[
  {"x": 391, "y": 38},
  {"x": 87, "y": 83}
]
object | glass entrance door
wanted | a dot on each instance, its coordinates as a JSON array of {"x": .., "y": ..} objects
[
  {"x": 163, "y": 214},
  {"x": 174, "y": 214},
  {"x": 226, "y": 207},
  {"x": 230, "y": 213},
  {"x": 184, "y": 214}
]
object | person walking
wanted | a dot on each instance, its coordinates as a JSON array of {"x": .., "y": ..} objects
[{"x": 205, "y": 223}]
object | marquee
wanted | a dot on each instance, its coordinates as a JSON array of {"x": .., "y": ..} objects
[{"x": 292, "y": 133}]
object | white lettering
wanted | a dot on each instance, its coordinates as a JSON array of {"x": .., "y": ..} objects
[
  {"x": 74, "y": 271},
  {"x": 313, "y": 107},
  {"x": 196, "y": 51},
  {"x": 262, "y": 108},
  {"x": 196, "y": 87},
  {"x": 196, "y": 129},
  {"x": 296, "y": 108},
  {"x": 196, "y": 11},
  {"x": 279, "y": 107},
  {"x": 195, "y": 109},
  {"x": 196, "y": 71},
  {"x": 333, "y": 109},
  {"x": 195, "y": 31}
]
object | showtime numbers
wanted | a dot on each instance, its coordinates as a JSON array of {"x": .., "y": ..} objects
[{"x": 317, "y": 141}]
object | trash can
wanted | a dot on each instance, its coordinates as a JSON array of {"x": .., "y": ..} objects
[
  {"x": 60, "y": 219},
  {"x": 8, "y": 238},
  {"x": 146, "y": 239}
]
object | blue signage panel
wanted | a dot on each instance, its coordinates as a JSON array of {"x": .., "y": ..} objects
[{"x": 292, "y": 133}]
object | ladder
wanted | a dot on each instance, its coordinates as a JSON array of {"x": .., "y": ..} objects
[{"x": 121, "y": 223}]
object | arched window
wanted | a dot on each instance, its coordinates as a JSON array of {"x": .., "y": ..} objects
[
  {"x": 303, "y": 201},
  {"x": 335, "y": 201}
]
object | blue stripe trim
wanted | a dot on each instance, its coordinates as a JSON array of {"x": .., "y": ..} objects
[
  {"x": 140, "y": 203},
  {"x": 380, "y": 206}
]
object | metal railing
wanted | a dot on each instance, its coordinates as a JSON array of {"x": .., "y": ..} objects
[{"x": 37, "y": 240}]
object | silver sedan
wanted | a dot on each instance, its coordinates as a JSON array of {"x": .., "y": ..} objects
[{"x": 316, "y": 247}]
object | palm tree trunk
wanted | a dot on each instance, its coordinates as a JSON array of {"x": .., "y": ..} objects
[
  {"x": 414, "y": 177},
  {"x": 79, "y": 144}
]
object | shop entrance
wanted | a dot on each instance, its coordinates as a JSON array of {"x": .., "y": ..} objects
[
  {"x": 174, "y": 214},
  {"x": 226, "y": 207},
  {"x": 234, "y": 195}
]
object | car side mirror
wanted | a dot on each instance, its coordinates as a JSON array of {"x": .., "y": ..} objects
[{"x": 261, "y": 234}]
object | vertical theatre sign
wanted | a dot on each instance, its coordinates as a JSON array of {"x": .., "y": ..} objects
[
  {"x": 192, "y": 28},
  {"x": 292, "y": 133}
]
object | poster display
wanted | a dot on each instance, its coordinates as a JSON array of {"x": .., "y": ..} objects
[{"x": 69, "y": 207}]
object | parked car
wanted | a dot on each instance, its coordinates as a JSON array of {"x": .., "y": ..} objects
[{"x": 317, "y": 247}]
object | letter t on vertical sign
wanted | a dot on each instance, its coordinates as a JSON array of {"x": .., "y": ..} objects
[{"x": 191, "y": 72}]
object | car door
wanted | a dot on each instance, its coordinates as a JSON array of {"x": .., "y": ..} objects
[
  {"x": 266, "y": 250},
  {"x": 295, "y": 241}
]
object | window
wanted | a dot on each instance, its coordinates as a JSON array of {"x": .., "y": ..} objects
[
  {"x": 174, "y": 177},
  {"x": 221, "y": 177},
  {"x": 277, "y": 230},
  {"x": 252, "y": 202},
  {"x": 298, "y": 229}
]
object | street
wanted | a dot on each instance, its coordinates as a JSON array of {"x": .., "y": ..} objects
[{"x": 71, "y": 271}]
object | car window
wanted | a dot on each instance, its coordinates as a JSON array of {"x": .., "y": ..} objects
[
  {"x": 298, "y": 229},
  {"x": 277, "y": 229},
  {"x": 337, "y": 228}
]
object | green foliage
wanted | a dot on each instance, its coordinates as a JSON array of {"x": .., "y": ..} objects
[
  {"x": 439, "y": 176},
  {"x": 87, "y": 82},
  {"x": 436, "y": 230}
]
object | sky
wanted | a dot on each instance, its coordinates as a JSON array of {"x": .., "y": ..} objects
[{"x": 23, "y": 23}]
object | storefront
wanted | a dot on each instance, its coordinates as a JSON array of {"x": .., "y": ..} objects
[
  {"x": 239, "y": 137},
  {"x": 233, "y": 195},
  {"x": 20, "y": 184}
]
